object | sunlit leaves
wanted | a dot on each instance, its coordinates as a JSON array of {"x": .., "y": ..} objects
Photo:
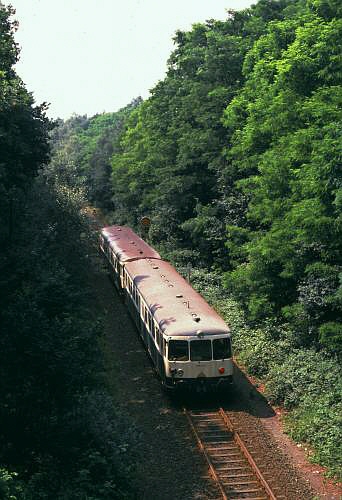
[{"x": 285, "y": 155}]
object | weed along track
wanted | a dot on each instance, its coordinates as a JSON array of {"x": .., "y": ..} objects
[{"x": 231, "y": 465}]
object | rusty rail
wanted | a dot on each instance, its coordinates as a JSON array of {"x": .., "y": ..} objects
[{"x": 247, "y": 455}]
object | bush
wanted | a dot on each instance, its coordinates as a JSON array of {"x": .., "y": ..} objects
[
  {"x": 10, "y": 487},
  {"x": 330, "y": 335},
  {"x": 318, "y": 421},
  {"x": 303, "y": 373}
]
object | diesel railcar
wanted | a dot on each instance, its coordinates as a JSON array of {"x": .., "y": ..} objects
[{"x": 188, "y": 342}]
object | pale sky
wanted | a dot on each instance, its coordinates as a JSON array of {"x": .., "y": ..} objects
[{"x": 90, "y": 56}]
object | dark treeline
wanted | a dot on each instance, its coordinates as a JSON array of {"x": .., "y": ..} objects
[
  {"x": 236, "y": 157},
  {"x": 59, "y": 432}
]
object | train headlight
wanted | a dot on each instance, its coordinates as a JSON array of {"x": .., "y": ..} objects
[
  {"x": 180, "y": 373},
  {"x": 221, "y": 370}
]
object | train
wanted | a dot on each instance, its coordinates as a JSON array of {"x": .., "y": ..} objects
[{"x": 188, "y": 342}]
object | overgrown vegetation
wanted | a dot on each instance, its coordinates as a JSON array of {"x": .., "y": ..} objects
[{"x": 59, "y": 435}]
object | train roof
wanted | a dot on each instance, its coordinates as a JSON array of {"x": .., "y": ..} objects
[
  {"x": 127, "y": 245},
  {"x": 176, "y": 306}
]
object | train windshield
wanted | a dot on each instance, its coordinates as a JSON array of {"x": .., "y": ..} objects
[
  {"x": 178, "y": 350},
  {"x": 200, "y": 350},
  {"x": 222, "y": 349}
]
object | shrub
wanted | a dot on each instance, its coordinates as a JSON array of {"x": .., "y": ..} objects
[
  {"x": 303, "y": 373},
  {"x": 330, "y": 335},
  {"x": 10, "y": 487},
  {"x": 318, "y": 421}
]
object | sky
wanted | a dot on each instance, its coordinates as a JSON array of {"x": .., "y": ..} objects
[{"x": 94, "y": 56}]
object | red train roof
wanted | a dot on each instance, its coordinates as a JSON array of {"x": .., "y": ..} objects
[
  {"x": 177, "y": 307},
  {"x": 127, "y": 245}
]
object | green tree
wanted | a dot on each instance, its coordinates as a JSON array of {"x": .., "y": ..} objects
[
  {"x": 284, "y": 158},
  {"x": 23, "y": 128},
  {"x": 171, "y": 152}
]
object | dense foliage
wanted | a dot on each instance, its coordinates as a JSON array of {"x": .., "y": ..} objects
[
  {"x": 59, "y": 429},
  {"x": 59, "y": 433},
  {"x": 23, "y": 129},
  {"x": 285, "y": 155}
]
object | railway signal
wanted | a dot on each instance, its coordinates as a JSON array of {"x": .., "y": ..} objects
[{"x": 145, "y": 222}]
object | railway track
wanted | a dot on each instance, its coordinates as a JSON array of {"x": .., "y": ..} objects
[{"x": 230, "y": 463}]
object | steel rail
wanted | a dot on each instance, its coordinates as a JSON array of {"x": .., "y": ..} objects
[
  {"x": 248, "y": 456},
  {"x": 202, "y": 448}
]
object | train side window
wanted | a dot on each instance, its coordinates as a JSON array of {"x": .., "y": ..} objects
[
  {"x": 160, "y": 340},
  {"x": 222, "y": 348},
  {"x": 151, "y": 325}
]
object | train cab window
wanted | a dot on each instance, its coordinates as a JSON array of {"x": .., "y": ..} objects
[
  {"x": 178, "y": 350},
  {"x": 200, "y": 350},
  {"x": 222, "y": 349}
]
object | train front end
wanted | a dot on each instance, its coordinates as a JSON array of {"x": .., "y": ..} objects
[{"x": 199, "y": 362}]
